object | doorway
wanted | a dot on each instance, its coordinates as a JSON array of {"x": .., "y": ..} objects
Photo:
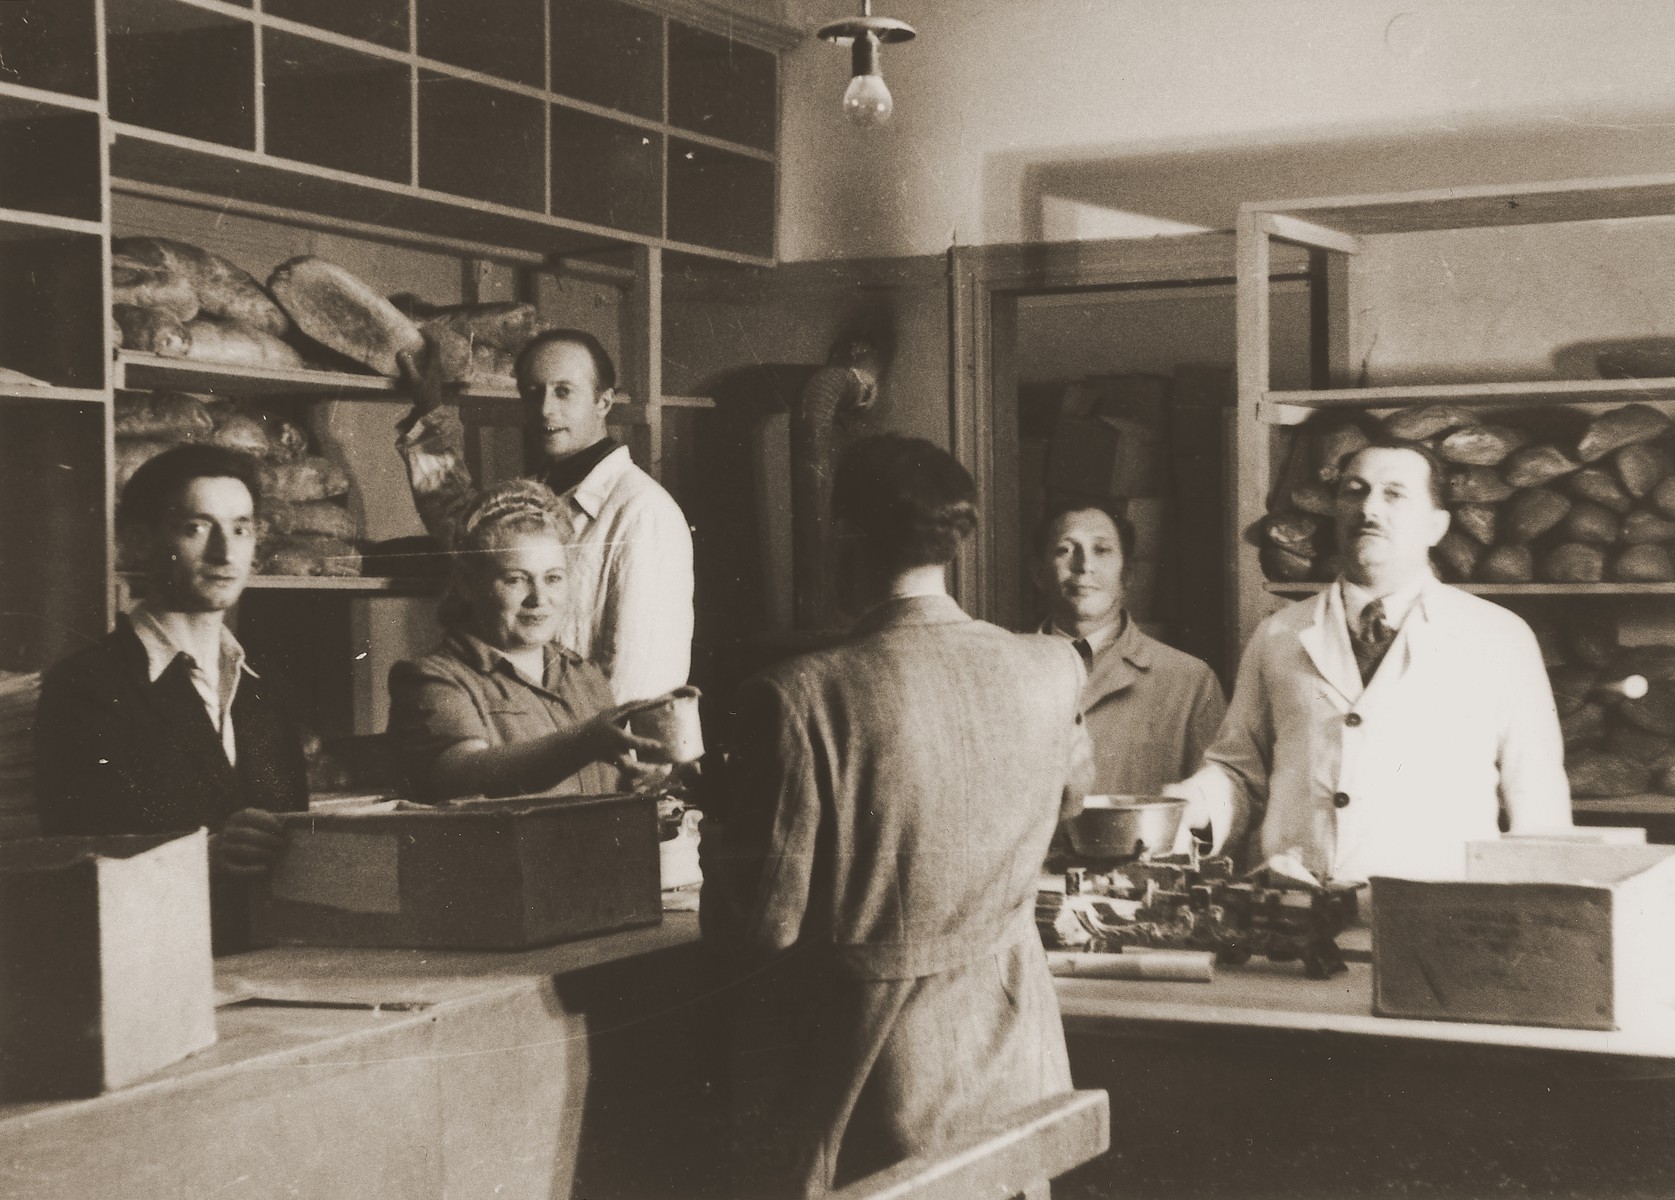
[{"x": 1105, "y": 371}]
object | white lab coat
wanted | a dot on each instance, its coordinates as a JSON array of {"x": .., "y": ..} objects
[{"x": 1457, "y": 725}]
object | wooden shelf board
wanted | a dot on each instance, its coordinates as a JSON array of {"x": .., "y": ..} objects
[
  {"x": 1650, "y": 805},
  {"x": 1506, "y": 589},
  {"x": 1541, "y": 391},
  {"x": 24, "y": 391},
  {"x": 1484, "y": 207},
  {"x": 18, "y": 100},
  {"x": 384, "y": 584},
  {"x": 147, "y": 372},
  {"x": 52, "y": 221}
]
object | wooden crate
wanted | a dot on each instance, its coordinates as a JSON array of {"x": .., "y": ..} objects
[
  {"x": 478, "y": 875},
  {"x": 105, "y": 970},
  {"x": 1539, "y": 932}
]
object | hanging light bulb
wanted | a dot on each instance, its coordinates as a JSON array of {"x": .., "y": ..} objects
[{"x": 867, "y": 102}]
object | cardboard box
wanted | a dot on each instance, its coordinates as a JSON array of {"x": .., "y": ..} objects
[
  {"x": 473, "y": 875},
  {"x": 105, "y": 969},
  {"x": 1560, "y": 932}
]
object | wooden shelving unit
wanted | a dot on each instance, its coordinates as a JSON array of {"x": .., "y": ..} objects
[
  {"x": 1340, "y": 229},
  {"x": 551, "y": 130}
]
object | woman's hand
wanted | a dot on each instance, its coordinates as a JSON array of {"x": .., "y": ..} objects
[{"x": 609, "y": 735}]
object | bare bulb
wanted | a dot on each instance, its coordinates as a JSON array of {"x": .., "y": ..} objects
[{"x": 867, "y": 102}]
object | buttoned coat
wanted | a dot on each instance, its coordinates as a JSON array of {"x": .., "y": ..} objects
[
  {"x": 1151, "y": 712},
  {"x": 899, "y": 792},
  {"x": 1455, "y": 728}
]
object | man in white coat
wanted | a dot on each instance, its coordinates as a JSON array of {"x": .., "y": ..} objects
[{"x": 1379, "y": 726}]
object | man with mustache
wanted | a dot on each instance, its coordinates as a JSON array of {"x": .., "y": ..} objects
[
  {"x": 1378, "y": 727},
  {"x": 162, "y": 726}
]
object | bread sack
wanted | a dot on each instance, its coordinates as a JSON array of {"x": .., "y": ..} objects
[
  {"x": 240, "y": 346},
  {"x": 321, "y": 518},
  {"x": 224, "y": 290},
  {"x": 162, "y": 416},
  {"x": 159, "y": 289},
  {"x": 151, "y": 331},
  {"x": 301, "y": 554},
  {"x": 308, "y": 478},
  {"x": 238, "y": 432},
  {"x": 506, "y": 326},
  {"x": 337, "y": 310}
]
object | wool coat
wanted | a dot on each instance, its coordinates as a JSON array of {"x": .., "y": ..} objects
[{"x": 898, "y": 793}]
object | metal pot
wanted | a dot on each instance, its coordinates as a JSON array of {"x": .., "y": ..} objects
[{"x": 1124, "y": 827}]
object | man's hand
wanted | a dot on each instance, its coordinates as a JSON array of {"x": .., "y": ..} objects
[
  {"x": 422, "y": 374},
  {"x": 1197, "y": 816},
  {"x": 249, "y": 843}
]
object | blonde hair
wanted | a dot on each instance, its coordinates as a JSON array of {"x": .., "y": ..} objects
[{"x": 515, "y": 506}]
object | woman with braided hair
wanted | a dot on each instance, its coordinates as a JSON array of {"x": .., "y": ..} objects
[{"x": 500, "y": 708}]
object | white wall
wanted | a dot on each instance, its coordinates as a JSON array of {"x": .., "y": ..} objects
[{"x": 1041, "y": 119}]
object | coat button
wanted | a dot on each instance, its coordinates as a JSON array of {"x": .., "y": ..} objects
[
  {"x": 1340, "y": 800},
  {"x": 1352, "y": 720}
]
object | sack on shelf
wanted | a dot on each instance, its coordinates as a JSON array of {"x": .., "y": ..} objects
[
  {"x": 307, "y": 478},
  {"x": 324, "y": 518},
  {"x": 239, "y": 346},
  {"x": 151, "y": 330},
  {"x": 223, "y": 289},
  {"x": 506, "y": 326},
  {"x": 305, "y": 554},
  {"x": 135, "y": 284},
  {"x": 163, "y": 416}
]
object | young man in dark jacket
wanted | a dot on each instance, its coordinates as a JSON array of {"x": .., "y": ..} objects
[{"x": 162, "y": 725}]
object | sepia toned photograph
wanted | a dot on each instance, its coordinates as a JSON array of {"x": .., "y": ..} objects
[{"x": 870, "y": 599}]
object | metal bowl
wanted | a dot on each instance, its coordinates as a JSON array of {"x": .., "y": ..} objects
[{"x": 1125, "y": 827}]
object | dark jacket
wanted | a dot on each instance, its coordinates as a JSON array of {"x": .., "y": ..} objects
[{"x": 116, "y": 753}]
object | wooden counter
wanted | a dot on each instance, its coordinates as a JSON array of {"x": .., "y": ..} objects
[
  {"x": 1266, "y": 1084},
  {"x": 404, "y": 1074}
]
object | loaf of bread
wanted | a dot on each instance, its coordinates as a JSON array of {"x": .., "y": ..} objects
[
  {"x": 301, "y": 554},
  {"x": 321, "y": 518},
  {"x": 1314, "y": 498},
  {"x": 240, "y": 346},
  {"x": 1421, "y": 424},
  {"x": 1584, "y": 726},
  {"x": 1590, "y": 522},
  {"x": 223, "y": 289},
  {"x": 1481, "y": 445},
  {"x": 1601, "y": 487},
  {"x": 1531, "y": 513},
  {"x": 308, "y": 478},
  {"x": 1601, "y": 774},
  {"x": 162, "y": 416},
  {"x": 1573, "y": 562},
  {"x": 1293, "y": 531},
  {"x": 339, "y": 311},
  {"x": 1337, "y": 445},
  {"x": 506, "y": 326},
  {"x": 1641, "y": 467},
  {"x": 1507, "y": 564},
  {"x": 236, "y": 431},
  {"x": 1286, "y": 566},
  {"x": 1476, "y": 521},
  {"x": 133, "y": 453},
  {"x": 152, "y": 331},
  {"x": 160, "y": 289},
  {"x": 1618, "y": 428},
  {"x": 1642, "y": 527},
  {"x": 1458, "y": 556},
  {"x": 1477, "y": 485},
  {"x": 492, "y": 366},
  {"x": 1535, "y": 465},
  {"x": 1644, "y": 564}
]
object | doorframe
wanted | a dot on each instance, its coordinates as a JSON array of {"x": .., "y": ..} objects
[{"x": 985, "y": 284}]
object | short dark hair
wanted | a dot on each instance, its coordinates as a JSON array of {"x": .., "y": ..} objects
[
  {"x": 604, "y": 370},
  {"x": 1065, "y": 505},
  {"x": 159, "y": 481},
  {"x": 1437, "y": 478},
  {"x": 912, "y": 501}
]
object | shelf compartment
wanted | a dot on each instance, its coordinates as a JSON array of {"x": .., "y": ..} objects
[
  {"x": 610, "y": 54},
  {"x": 337, "y": 108},
  {"x": 382, "y": 22},
  {"x": 481, "y": 142},
  {"x": 147, "y": 372},
  {"x": 52, "y": 305},
  {"x": 606, "y": 173},
  {"x": 52, "y": 479},
  {"x": 720, "y": 199},
  {"x": 158, "y": 161},
  {"x": 52, "y": 45},
  {"x": 722, "y": 88},
  {"x": 50, "y": 160},
  {"x": 511, "y": 45},
  {"x": 182, "y": 70}
]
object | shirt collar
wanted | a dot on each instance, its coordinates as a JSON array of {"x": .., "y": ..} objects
[
  {"x": 161, "y": 650},
  {"x": 596, "y": 485},
  {"x": 1123, "y": 633},
  {"x": 489, "y": 659},
  {"x": 1397, "y": 604}
]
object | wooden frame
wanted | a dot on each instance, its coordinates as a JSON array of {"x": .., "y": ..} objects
[{"x": 985, "y": 284}]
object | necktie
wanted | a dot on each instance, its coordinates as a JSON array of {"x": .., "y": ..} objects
[
  {"x": 1085, "y": 650},
  {"x": 1373, "y": 641}
]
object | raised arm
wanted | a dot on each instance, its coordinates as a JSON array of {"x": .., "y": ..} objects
[{"x": 1229, "y": 792}]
